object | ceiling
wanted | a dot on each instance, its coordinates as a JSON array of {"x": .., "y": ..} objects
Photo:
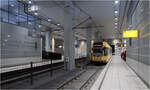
[{"x": 102, "y": 13}]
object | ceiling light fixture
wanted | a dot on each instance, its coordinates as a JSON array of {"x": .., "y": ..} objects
[
  {"x": 12, "y": 5},
  {"x": 49, "y": 20},
  {"x": 60, "y": 46},
  {"x": 29, "y": 22},
  {"x": 116, "y": 19},
  {"x": 35, "y": 13},
  {"x": 16, "y": 11},
  {"x": 116, "y": 2},
  {"x": 39, "y": 26},
  {"x": 33, "y": 8},
  {"x": 58, "y": 24},
  {"x": 116, "y": 23},
  {"x": 6, "y": 40},
  {"x": 29, "y": 2},
  {"x": 8, "y": 35},
  {"x": 116, "y": 12}
]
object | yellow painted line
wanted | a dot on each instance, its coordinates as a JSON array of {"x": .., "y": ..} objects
[
  {"x": 144, "y": 26},
  {"x": 141, "y": 31},
  {"x": 145, "y": 35}
]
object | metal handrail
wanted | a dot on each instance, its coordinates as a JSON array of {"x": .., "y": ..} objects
[{"x": 14, "y": 65}]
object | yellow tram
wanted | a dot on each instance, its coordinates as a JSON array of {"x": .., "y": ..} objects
[{"x": 101, "y": 52}]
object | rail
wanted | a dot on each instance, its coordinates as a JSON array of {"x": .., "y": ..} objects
[
  {"x": 65, "y": 83},
  {"x": 82, "y": 87},
  {"x": 8, "y": 68},
  {"x": 62, "y": 86}
]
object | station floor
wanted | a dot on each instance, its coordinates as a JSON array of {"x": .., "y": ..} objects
[
  {"x": 116, "y": 75},
  {"x": 120, "y": 76}
]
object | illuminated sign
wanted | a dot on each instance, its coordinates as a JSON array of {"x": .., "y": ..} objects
[
  {"x": 115, "y": 41},
  {"x": 130, "y": 33}
]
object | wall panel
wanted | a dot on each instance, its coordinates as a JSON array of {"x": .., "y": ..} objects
[
  {"x": 15, "y": 43},
  {"x": 138, "y": 53}
]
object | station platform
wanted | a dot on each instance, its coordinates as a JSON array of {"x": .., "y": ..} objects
[
  {"x": 117, "y": 75},
  {"x": 37, "y": 61}
]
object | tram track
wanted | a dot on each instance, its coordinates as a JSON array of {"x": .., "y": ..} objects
[
  {"x": 80, "y": 78},
  {"x": 83, "y": 79}
]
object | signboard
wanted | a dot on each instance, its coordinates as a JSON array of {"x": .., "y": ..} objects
[{"x": 130, "y": 33}]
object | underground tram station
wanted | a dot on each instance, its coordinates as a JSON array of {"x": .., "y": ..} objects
[{"x": 75, "y": 44}]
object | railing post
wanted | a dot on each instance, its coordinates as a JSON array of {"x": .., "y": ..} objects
[
  {"x": 86, "y": 62},
  {"x": 31, "y": 72},
  {"x": 51, "y": 68}
]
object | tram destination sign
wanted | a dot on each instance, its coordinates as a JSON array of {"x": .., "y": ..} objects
[{"x": 130, "y": 33}]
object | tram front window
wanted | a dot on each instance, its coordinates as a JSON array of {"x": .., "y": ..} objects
[{"x": 97, "y": 51}]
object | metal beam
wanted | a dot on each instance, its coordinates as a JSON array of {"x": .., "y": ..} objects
[
  {"x": 81, "y": 9},
  {"x": 81, "y": 23},
  {"x": 89, "y": 27}
]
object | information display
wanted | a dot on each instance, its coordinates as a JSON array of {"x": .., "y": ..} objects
[{"x": 130, "y": 33}]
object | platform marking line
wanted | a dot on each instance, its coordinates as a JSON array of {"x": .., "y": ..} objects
[{"x": 98, "y": 83}]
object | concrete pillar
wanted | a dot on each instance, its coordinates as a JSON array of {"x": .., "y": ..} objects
[
  {"x": 88, "y": 39},
  {"x": 48, "y": 41},
  {"x": 69, "y": 37}
]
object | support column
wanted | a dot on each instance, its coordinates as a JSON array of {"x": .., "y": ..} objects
[
  {"x": 69, "y": 37},
  {"x": 88, "y": 39},
  {"x": 48, "y": 41}
]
